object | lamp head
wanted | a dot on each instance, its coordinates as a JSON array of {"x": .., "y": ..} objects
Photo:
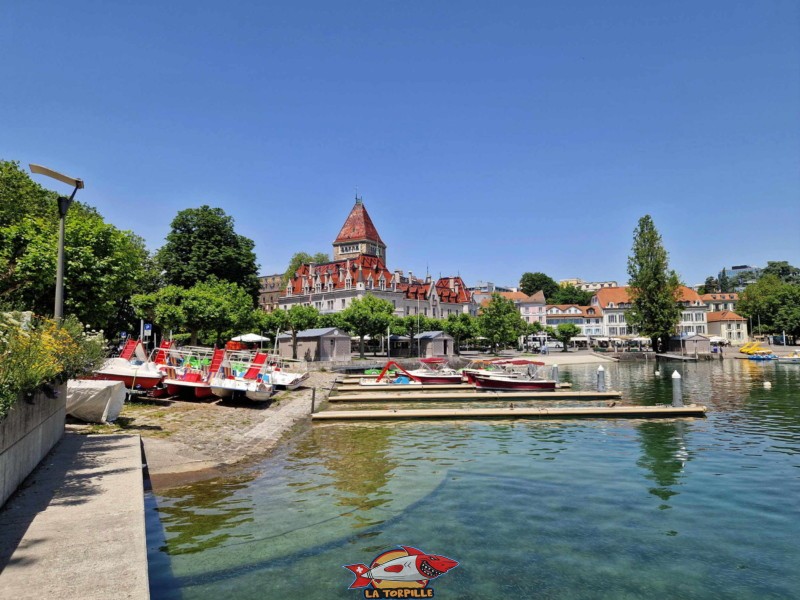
[{"x": 40, "y": 170}]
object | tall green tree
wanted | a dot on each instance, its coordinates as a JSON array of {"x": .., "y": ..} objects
[
  {"x": 299, "y": 318},
  {"x": 202, "y": 243},
  {"x": 104, "y": 265},
  {"x": 303, "y": 258},
  {"x": 500, "y": 322},
  {"x": 565, "y": 332},
  {"x": 570, "y": 294},
  {"x": 654, "y": 288},
  {"x": 772, "y": 304},
  {"x": 724, "y": 282},
  {"x": 461, "y": 327},
  {"x": 530, "y": 283},
  {"x": 783, "y": 271},
  {"x": 367, "y": 316},
  {"x": 211, "y": 311}
]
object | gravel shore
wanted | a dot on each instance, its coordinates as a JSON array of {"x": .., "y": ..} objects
[{"x": 191, "y": 440}]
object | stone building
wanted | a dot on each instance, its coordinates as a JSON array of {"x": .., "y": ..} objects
[
  {"x": 324, "y": 344},
  {"x": 269, "y": 291},
  {"x": 359, "y": 268}
]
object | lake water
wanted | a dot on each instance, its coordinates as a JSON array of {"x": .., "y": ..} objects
[{"x": 689, "y": 508}]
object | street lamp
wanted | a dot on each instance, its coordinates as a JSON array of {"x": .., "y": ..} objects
[{"x": 63, "y": 207}]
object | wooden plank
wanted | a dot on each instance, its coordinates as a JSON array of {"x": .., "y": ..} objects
[
  {"x": 403, "y": 388},
  {"x": 632, "y": 412},
  {"x": 473, "y": 395}
]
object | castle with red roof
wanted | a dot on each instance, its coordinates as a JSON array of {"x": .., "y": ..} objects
[{"x": 359, "y": 268}]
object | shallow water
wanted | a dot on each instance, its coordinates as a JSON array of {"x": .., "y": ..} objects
[{"x": 689, "y": 508}]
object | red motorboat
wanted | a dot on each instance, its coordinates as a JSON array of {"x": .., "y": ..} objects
[
  {"x": 513, "y": 379},
  {"x": 432, "y": 371}
]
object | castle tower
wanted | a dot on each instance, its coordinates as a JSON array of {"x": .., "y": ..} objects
[{"x": 358, "y": 236}]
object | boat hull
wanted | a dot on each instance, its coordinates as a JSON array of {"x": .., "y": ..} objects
[
  {"x": 129, "y": 381},
  {"x": 513, "y": 385},
  {"x": 198, "y": 389}
]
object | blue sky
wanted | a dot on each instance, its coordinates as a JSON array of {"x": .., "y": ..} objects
[{"x": 487, "y": 139}]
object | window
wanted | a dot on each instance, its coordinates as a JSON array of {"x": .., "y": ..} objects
[
  {"x": 348, "y": 283},
  {"x": 738, "y": 326},
  {"x": 698, "y": 316},
  {"x": 344, "y": 302},
  {"x": 701, "y": 329},
  {"x": 612, "y": 331},
  {"x": 622, "y": 318},
  {"x": 318, "y": 288},
  {"x": 318, "y": 305},
  {"x": 612, "y": 318}
]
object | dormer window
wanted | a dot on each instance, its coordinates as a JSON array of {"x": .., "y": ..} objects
[
  {"x": 348, "y": 283},
  {"x": 610, "y": 305}
]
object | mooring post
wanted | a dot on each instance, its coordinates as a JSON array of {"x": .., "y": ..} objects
[
  {"x": 677, "y": 396},
  {"x": 601, "y": 379},
  {"x": 555, "y": 374},
  {"x": 313, "y": 399}
]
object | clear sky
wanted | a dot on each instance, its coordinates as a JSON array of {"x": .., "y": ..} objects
[{"x": 486, "y": 138}]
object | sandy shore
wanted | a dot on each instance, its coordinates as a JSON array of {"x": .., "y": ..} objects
[{"x": 188, "y": 441}]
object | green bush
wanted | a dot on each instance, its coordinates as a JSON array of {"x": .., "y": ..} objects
[{"x": 36, "y": 352}]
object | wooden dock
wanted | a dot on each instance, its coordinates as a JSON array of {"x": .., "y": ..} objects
[
  {"x": 471, "y": 395},
  {"x": 346, "y": 387},
  {"x": 629, "y": 412},
  {"x": 684, "y": 357}
]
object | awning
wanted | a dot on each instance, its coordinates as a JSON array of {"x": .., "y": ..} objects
[{"x": 250, "y": 338}]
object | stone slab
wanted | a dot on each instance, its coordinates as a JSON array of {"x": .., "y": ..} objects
[{"x": 75, "y": 528}]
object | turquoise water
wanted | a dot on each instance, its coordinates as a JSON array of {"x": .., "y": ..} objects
[{"x": 691, "y": 508}]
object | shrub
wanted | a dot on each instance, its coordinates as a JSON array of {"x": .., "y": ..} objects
[{"x": 36, "y": 351}]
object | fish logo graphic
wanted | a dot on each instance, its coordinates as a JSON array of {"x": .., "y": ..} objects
[{"x": 407, "y": 568}]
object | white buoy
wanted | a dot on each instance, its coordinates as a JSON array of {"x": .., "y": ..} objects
[
  {"x": 658, "y": 373},
  {"x": 601, "y": 379},
  {"x": 677, "y": 395},
  {"x": 767, "y": 384}
]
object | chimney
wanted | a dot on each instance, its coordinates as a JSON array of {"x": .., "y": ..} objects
[{"x": 410, "y": 276}]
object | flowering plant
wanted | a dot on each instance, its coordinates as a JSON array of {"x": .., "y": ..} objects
[{"x": 37, "y": 351}]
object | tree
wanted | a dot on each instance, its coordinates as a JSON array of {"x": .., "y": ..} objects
[
  {"x": 710, "y": 286},
  {"x": 461, "y": 327},
  {"x": 772, "y": 304},
  {"x": 724, "y": 283},
  {"x": 783, "y": 271},
  {"x": 212, "y": 310},
  {"x": 202, "y": 244},
  {"x": 299, "y": 318},
  {"x": 303, "y": 258},
  {"x": 367, "y": 316},
  {"x": 500, "y": 322},
  {"x": 565, "y": 332},
  {"x": 530, "y": 283},
  {"x": 570, "y": 294},
  {"x": 654, "y": 288},
  {"x": 104, "y": 265}
]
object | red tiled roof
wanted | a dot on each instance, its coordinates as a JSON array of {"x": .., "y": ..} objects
[
  {"x": 564, "y": 307},
  {"x": 620, "y": 294},
  {"x": 523, "y": 297},
  {"x": 723, "y": 315},
  {"x": 364, "y": 265},
  {"x": 452, "y": 290},
  {"x": 358, "y": 226},
  {"x": 719, "y": 297}
]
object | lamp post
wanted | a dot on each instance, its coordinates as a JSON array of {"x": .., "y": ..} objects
[{"x": 63, "y": 207}]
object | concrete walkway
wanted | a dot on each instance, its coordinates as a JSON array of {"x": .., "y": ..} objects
[{"x": 75, "y": 529}]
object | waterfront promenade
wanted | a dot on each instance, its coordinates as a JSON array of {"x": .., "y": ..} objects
[{"x": 75, "y": 529}]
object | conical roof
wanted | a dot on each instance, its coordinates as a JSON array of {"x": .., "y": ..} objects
[{"x": 358, "y": 226}]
